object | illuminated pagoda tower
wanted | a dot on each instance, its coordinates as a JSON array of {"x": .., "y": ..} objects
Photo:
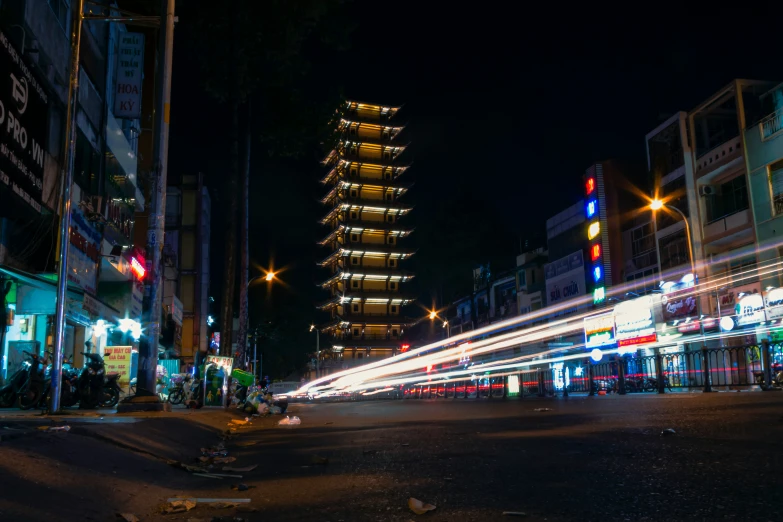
[{"x": 365, "y": 237}]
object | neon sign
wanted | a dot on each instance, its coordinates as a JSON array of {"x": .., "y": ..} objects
[
  {"x": 592, "y": 208},
  {"x": 599, "y": 330},
  {"x": 593, "y": 230},
  {"x": 589, "y": 186},
  {"x": 595, "y": 252},
  {"x": 138, "y": 268},
  {"x": 597, "y": 273}
]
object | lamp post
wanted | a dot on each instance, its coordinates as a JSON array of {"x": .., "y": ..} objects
[
  {"x": 268, "y": 277},
  {"x": 434, "y": 315},
  {"x": 656, "y": 205},
  {"x": 317, "y": 347}
]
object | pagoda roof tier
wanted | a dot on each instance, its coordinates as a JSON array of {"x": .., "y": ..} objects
[
  {"x": 334, "y": 173},
  {"x": 367, "y": 250},
  {"x": 399, "y": 189},
  {"x": 340, "y": 152},
  {"x": 366, "y": 205},
  {"x": 354, "y": 227},
  {"x": 372, "y": 274},
  {"x": 381, "y": 108},
  {"x": 346, "y": 320},
  {"x": 335, "y": 155},
  {"x": 362, "y": 122},
  {"x": 376, "y": 144},
  {"x": 370, "y": 297}
]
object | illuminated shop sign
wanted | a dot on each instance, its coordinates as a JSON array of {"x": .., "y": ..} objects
[
  {"x": 599, "y": 331},
  {"x": 138, "y": 268},
  {"x": 593, "y": 230},
  {"x": 773, "y": 301},
  {"x": 635, "y": 322},
  {"x": 750, "y": 309},
  {"x": 591, "y": 208},
  {"x": 594, "y": 235}
]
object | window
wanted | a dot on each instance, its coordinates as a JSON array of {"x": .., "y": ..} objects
[
  {"x": 732, "y": 197},
  {"x": 394, "y": 332},
  {"x": 352, "y": 130},
  {"x": 522, "y": 281},
  {"x": 62, "y": 10},
  {"x": 355, "y": 307},
  {"x": 354, "y": 237},
  {"x": 394, "y": 309},
  {"x": 356, "y": 332},
  {"x": 354, "y": 215},
  {"x": 355, "y": 283},
  {"x": 392, "y": 262},
  {"x": 393, "y": 285},
  {"x": 354, "y": 260},
  {"x": 776, "y": 187},
  {"x": 354, "y": 194},
  {"x": 390, "y": 218},
  {"x": 391, "y": 240},
  {"x": 388, "y": 175},
  {"x": 354, "y": 172},
  {"x": 388, "y": 196},
  {"x": 674, "y": 250}
]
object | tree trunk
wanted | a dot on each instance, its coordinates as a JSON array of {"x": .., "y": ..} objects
[
  {"x": 229, "y": 281},
  {"x": 244, "y": 247}
]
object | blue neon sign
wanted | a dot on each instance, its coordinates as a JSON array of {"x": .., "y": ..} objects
[
  {"x": 591, "y": 208},
  {"x": 597, "y": 273}
]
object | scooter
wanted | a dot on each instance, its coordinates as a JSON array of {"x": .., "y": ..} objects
[
  {"x": 10, "y": 391},
  {"x": 32, "y": 391}
]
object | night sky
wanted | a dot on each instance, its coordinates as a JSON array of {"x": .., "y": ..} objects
[{"x": 506, "y": 107}]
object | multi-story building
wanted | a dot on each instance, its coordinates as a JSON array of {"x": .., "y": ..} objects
[
  {"x": 366, "y": 234},
  {"x": 763, "y": 139},
  {"x": 186, "y": 253},
  {"x": 105, "y": 270},
  {"x": 531, "y": 288},
  {"x": 724, "y": 236}
]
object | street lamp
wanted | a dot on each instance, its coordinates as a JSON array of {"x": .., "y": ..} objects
[
  {"x": 317, "y": 347},
  {"x": 268, "y": 277},
  {"x": 433, "y": 315}
]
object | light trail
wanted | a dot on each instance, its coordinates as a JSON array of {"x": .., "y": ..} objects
[{"x": 456, "y": 348}]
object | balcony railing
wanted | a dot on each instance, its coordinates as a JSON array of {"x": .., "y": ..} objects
[{"x": 771, "y": 125}]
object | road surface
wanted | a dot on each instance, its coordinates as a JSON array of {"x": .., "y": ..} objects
[{"x": 589, "y": 458}]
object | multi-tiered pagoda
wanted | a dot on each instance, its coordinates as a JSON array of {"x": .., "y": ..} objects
[{"x": 366, "y": 233}]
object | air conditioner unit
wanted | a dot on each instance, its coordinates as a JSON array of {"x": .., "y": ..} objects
[{"x": 709, "y": 190}]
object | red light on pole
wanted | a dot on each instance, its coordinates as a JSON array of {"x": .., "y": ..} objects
[{"x": 137, "y": 268}]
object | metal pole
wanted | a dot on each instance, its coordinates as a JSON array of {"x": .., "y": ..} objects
[
  {"x": 65, "y": 207},
  {"x": 657, "y": 250},
  {"x": 148, "y": 348},
  {"x": 317, "y": 351},
  {"x": 255, "y": 354}
]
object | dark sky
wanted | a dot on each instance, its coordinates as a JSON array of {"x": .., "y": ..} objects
[{"x": 506, "y": 106}]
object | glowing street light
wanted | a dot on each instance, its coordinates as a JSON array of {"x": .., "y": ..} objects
[
  {"x": 656, "y": 204},
  {"x": 433, "y": 315},
  {"x": 269, "y": 276}
]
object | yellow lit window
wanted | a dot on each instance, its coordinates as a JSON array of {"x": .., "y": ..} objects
[{"x": 593, "y": 230}]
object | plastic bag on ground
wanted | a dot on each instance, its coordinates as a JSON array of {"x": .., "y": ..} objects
[{"x": 290, "y": 421}]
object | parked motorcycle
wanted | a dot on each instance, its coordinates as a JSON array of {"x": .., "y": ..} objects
[
  {"x": 10, "y": 391},
  {"x": 91, "y": 384},
  {"x": 33, "y": 390}
]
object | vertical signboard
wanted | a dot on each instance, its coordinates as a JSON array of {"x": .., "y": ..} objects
[
  {"x": 118, "y": 360},
  {"x": 127, "y": 88},
  {"x": 23, "y": 122},
  {"x": 85, "y": 255},
  {"x": 594, "y": 236}
]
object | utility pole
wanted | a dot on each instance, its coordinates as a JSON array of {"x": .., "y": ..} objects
[
  {"x": 65, "y": 205},
  {"x": 148, "y": 347}
]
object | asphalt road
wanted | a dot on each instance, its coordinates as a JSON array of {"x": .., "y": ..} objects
[{"x": 600, "y": 458}]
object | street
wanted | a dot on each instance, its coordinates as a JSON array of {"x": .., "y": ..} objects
[{"x": 588, "y": 458}]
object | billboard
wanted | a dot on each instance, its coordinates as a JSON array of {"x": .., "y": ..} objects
[
  {"x": 635, "y": 322},
  {"x": 565, "y": 278},
  {"x": 599, "y": 330},
  {"x": 24, "y": 114}
]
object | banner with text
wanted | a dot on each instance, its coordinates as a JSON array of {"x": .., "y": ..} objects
[
  {"x": 130, "y": 65},
  {"x": 24, "y": 114},
  {"x": 118, "y": 360}
]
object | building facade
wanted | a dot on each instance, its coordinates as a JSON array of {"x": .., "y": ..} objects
[{"x": 366, "y": 237}]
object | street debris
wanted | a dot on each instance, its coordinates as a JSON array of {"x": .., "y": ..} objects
[
  {"x": 290, "y": 421},
  {"x": 320, "y": 461},
  {"x": 667, "y": 432},
  {"x": 208, "y": 475},
  {"x": 514, "y": 514},
  {"x": 246, "y": 468},
  {"x": 178, "y": 506},
  {"x": 54, "y": 428},
  {"x": 419, "y": 507},
  {"x": 542, "y": 409},
  {"x": 128, "y": 517},
  {"x": 210, "y": 500}
]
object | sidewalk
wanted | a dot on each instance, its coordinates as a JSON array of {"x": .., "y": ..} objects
[{"x": 107, "y": 463}]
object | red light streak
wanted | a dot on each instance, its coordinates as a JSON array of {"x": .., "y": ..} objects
[{"x": 137, "y": 268}]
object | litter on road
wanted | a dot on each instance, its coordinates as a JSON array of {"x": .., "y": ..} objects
[
  {"x": 419, "y": 507},
  {"x": 178, "y": 506},
  {"x": 290, "y": 421}
]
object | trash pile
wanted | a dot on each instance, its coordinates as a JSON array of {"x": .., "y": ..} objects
[{"x": 256, "y": 400}]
